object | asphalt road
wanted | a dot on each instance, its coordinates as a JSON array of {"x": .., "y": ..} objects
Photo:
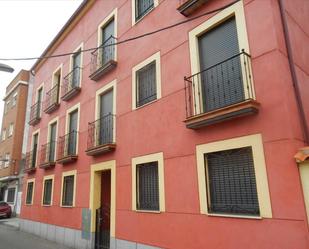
[{"x": 12, "y": 238}]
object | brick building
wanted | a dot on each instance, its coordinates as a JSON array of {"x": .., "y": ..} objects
[
  {"x": 12, "y": 134},
  {"x": 184, "y": 138}
]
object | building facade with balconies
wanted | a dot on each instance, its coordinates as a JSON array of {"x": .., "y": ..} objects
[
  {"x": 172, "y": 124},
  {"x": 13, "y": 125}
]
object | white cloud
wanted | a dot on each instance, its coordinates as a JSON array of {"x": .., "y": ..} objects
[{"x": 26, "y": 29}]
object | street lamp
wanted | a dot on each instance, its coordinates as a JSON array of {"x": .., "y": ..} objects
[{"x": 6, "y": 68}]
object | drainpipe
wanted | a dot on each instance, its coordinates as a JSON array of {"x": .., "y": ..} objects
[{"x": 293, "y": 73}]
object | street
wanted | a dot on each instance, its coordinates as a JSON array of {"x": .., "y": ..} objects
[{"x": 12, "y": 238}]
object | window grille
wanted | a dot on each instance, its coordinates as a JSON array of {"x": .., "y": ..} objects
[
  {"x": 147, "y": 186},
  {"x": 146, "y": 84},
  {"x": 142, "y": 7},
  {"x": 48, "y": 184},
  {"x": 68, "y": 191},
  {"x": 231, "y": 182},
  {"x": 29, "y": 193}
]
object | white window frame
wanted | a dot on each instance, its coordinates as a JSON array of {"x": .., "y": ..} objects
[{"x": 133, "y": 7}]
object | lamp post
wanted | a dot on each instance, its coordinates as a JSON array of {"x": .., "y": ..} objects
[{"x": 6, "y": 68}]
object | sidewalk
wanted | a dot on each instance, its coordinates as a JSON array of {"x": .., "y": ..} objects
[{"x": 12, "y": 222}]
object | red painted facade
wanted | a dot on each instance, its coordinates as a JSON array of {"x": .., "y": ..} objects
[{"x": 159, "y": 127}]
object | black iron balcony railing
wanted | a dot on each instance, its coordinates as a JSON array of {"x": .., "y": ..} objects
[
  {"x": 67, "y": 147},
  {"x": 30, "y": 161},
  {"x": 101, "y": 135},
  {"x": 52, "y": 99},
  {"x": 35, "y": 113},
  {"x": 48, "y": 155},
  {"x": 142, "y": 10},
  {"x": 103, "y": 59},
  {"x": 71, "y": 84},
  {"x": 223, "y": 85}
]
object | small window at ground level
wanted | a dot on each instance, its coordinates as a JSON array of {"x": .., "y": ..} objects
[
  {"x": 142, "y": 7},
  {"x": 48, "y": 185},
  {"x": 146, "y": 84},
  {"x": 231, "y": 182},
  {"x": 29, "y": 193},
  {"x": 147, "y": 186},
  {"x": 68, "y": 191},
  {"x": 11, "y": 195}
]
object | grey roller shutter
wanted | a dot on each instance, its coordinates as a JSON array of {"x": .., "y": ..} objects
[
  {"x": 231, "y": 182},
  {"x": 221, "y": 79}
]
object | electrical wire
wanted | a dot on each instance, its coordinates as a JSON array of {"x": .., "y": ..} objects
[{"x": 126, "y": 40}]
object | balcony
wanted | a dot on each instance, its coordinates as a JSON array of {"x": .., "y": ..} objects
[
  {"x": 187, "y": 7},
  {"x": 35, "y": 113},
  {"x": 103, "y": 59},
  {"x": 67, "y": 148},
  {"x": 52, "y": 100},
  {"x": 221, "y": 92},
  {"x": 101, "y": 136},
  {"x": 47, "y": 155},
  {"x": 30, "y": 161},
  {"x": 71, "y": 84}
]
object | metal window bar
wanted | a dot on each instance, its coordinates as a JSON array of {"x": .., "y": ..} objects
[
  {"x": 47, "y": 191},
  {"x": 146, "y": 89},
  {"x": 68, "y": 190},
  {"x": 31, "y": 158},
  {"x": 29, "y": 193},
  {"x": 67, "y": 145},
  {"x": 147, "y": 186},
  {"x": 52, "y": 96},
  {"x": 48, "y": 152},
  {"x": 71, "y": 81},
  {"x": 142, "y": 7},
  {"x": 11, "y": 195},
  {"x": 103, "y": 54},
  {"x": 223, "y": 84},
  {"x": 35, "y": 111},
  {"x": 231, "y": 182},
  {"x": 101, "y": 131}
]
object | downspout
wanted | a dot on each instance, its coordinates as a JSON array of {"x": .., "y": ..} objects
[{"x": 293, "y": 73}]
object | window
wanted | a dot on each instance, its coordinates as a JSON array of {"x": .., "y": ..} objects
[
  {"x": 14, "y": 100},
  {"x": 3, "y": 134},
  {"x": 47, "y": 191},
  {"x": 146, "y": 81},
  {"x": 11, "y": 195},
  {"x": 76, "y": 66},
  {"x": 11, "y": 129},
  {"x": 140, "y": 8},
  {"x": 232, "y": 178},
  {"x": 148, "y": 183},
  {"x": 7, "y": 160},
  {"x": 52, "y": 136},
  {"x": 68, "y": 189},
  {"x": 35, "y": 146},
  {"x": 231, "y": 182},
  {"x": 30, "y": 189},
  {"x": 7, "y": 105}
]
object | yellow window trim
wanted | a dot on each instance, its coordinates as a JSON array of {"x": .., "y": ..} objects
[
  {"x": 36, "y": 132},
  {"x": 95, "y": 192},
  {"x": 29, "y": 181},
  {"x": 49, "y": 177},
  {"x": 58, "y": 70},
  {"x": 146, "y": 159},
  {"x": 112, "y": 15},
  {"x": 67, "y": 122},
  {"x": 157, "y": 58},
  {"x": 80, "y": 47},
  {"x": 304, "y": 176},
  {"x": 64, "y": 174},
  {"x": 41, "y": 86},
  {"x": 236, "y": 10},
  {"x": 110, "y": 86},
  {"x": 155, "y": 3},
  {"x": 256, "y": 143}
]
